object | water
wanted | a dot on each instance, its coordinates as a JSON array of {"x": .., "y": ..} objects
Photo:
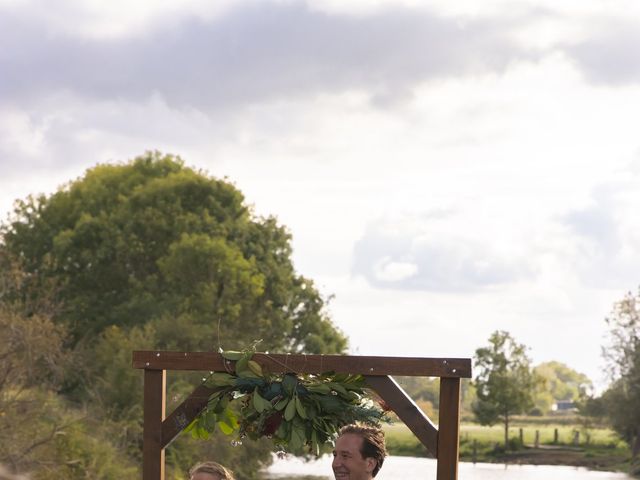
[{"x": 412, "y": 468}]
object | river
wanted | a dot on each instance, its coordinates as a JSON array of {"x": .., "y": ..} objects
[{"x": 412, "y": 468}]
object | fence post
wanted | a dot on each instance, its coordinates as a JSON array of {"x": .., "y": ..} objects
[{"x": 475, "y": 451}]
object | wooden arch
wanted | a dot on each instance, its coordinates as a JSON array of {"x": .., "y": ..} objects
[{"x": 442, "y": 441}]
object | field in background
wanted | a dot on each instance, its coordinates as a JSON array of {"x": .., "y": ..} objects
[{"x": 597, "y": 448}]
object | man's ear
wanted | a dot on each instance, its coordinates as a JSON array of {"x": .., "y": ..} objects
[{"x": 371, "y": 464}]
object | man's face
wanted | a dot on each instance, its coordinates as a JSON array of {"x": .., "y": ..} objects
[{"x": 348, "y": 462}]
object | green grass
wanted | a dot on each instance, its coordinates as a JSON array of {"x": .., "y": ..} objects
[{"x": 400, "y": 440}]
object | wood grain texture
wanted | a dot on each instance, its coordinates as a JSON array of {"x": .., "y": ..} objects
[
  {"x": 280, "y": 363},
  {"x": 406, "y": 409},
  {"x": 448, "y": 429},
  {"x": 154, "y": 411}
]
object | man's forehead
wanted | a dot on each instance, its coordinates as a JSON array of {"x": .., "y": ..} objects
[{"x": 349, "y": 442}]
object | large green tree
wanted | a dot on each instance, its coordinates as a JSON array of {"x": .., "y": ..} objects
[
  {"x": 140, "y": 255},
  {"x": 154, "y": 241},
  {"x": 622, "y": 352},
  {"x": 505, "y": 383}
]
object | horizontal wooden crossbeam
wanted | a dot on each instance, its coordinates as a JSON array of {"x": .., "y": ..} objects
[{"x": 315, "y": 364}]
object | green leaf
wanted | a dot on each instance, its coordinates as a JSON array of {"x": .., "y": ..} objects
[
  {"x": 280, "y": 404},
  {"x": 219, "y": 379},
  {"x": 224, "y": 428},
  {"x": 289, "y": 383},
  {"x": 298, "y": 438},
  {"x": 232, "y": 355},
  {"x": 319, "y": 388},
  {"x": 191, "y": 426},
  {"x": 242, "y": 365},
  {"x": 300, "y": 408},
  {"x": 201, "y": 432},
  {"x": 255, "y": 367},
  {"x": 337, "y": 387},
  {"x": 290, "y": 411},
  {"x": 228, "y": 422},
  {"x": 259, "y": 403}
]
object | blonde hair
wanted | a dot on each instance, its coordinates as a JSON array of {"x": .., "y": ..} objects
[{"x": 213, "y": 468}]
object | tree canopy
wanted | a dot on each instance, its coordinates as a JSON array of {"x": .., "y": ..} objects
[
  {"x": 504, "y": 381},
  {"x": 151, "y": 239},
  {"x": 140, "y": 255},
  {"x": 559, "y": 382},
  {"x": 622, "y": 352}
]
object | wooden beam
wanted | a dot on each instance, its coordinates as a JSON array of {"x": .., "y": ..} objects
[
  {"x": 280, "y": 363},
  {"x": 406, "y": 409},
  {"x": 155, "y": 382},
  {"x": 185, "y": 413},
  {"x": 448, "y": 429}
]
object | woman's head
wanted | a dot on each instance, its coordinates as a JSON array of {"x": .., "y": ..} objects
[{"x": 210, "y": 471}]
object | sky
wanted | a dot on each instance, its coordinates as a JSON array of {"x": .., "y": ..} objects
[{"x": 446, "y": 169}]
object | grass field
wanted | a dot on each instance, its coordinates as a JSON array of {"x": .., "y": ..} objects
[{"x": 597, "y": 447}]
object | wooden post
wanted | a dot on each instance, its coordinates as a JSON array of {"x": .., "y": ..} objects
[
  {"x": 475, "y": 451},
  {"x": 154, "y": 412},
  {"x": 448, "y": 429}
]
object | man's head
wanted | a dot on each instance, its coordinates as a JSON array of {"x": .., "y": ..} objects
[
  {"x": 209, "y": 471},
  {"x": 359, "y": 453}
]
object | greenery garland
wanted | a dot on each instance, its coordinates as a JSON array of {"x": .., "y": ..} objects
[{"x": 298, "y": 412}]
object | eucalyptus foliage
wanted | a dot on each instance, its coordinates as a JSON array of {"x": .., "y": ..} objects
[{"x": 297, "y": 412}]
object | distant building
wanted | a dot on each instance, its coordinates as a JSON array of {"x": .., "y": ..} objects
[{"x": 564, "y": 406}]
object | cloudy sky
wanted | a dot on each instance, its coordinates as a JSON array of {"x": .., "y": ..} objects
[{"x": 446, "y": 168}]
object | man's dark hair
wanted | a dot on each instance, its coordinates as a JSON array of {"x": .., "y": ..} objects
[{"x": 373, "y": 445}]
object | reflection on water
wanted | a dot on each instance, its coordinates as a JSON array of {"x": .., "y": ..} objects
[{"x": 411, "y": 468}]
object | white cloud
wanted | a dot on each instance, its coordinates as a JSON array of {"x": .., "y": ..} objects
[
  {"x": 427, "y": 257},
  {"x": 388, "y": 270},
  {"x": 458, "y": 156}
]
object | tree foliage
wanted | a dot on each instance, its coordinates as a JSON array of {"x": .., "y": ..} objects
[
  {"x": 559, "y": 382},
  {"x": 128, "y": 244},
  {"x": 40, "y": 431},
  {"x": 140, "y": 255},
  {"x": 622, "y": 353},
  {"x": 504, "y": 383}
]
